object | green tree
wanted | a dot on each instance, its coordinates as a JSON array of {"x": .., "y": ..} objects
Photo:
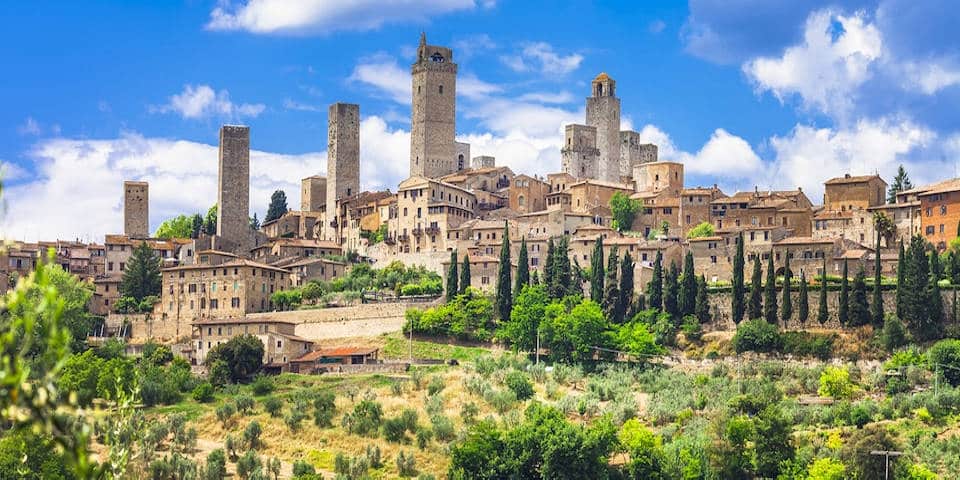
[
  {"x": 770, "y": 293},
  {"x": 822, "y": 314},
  {"x": 465, "y": 274},
  {"x": 671, "y": 290},
  {"x": 827, "y": 468},
  {"x": 243, "y": 356},
  {"x": 771, "y": 442},
  {"x": 141, "y": 278},
  {"x": 916, "y": 290},
  {"x": 944, "y": 357},
  {"x": 655, "y": 286},
  {"x": 504, "y": 283},
  {"x": 611, "y": 293},
  {"x": 859, "y": 309},
  {"x": 687, "y": 295},
  {"x": 786, "y": 307},
  {"x": 900, "y": 183},
  {"x": 738, "y": 288},
  {"x": 877, "y": 310},
  {"x": 843, "y": 313},
  {"x": 571, "y": 336},
  {"x": 254, "y": 222},
  {"x": 560, "y": 277},
  {"x": 278, "y": 206},
  {"x": 755, "y": 307},
  {"x": 803, "y": 305},
  {"x": 702, "y": 230},
  {"x": 74, "y": 293},
  {"x": 180, "y": 226},
  {"x": 452, "y": 276},
  {"x": 210, "y": 222},
  {"x": 934, "y": 302},
  {"x": 624, "y": 209},
  {"x": 597, "y": 271},
  {"x": 901, "y": 271},
  {"x": 520, "y": 330},
  {"x": 626, "y": 285},
  {"x": 523, "y": 269},
  {"x": 196, "y": 227},
  {"x": 702, "y": 303}
]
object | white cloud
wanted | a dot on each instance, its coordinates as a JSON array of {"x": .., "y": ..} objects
[
  {"x": 931, "y": 77},
  {"x": 325, "y": 16},
  {"x": 656, "y": 26},
  {"x": 472, "y": 87},
  {"x": 382, "y": 72},
  {"x": 472, "y": 45},
  {"x": 724, "y": 155},
  {"x": 29, "y": 127},
  {"x": 827, "y": 68},
  {"x": 10, "y": 172},
  {"x": 547, "y": 97},
  {"x": 290, "y": 104},
  {"x": 202, "y": 101},
  {"x": 541, "y": 57}
]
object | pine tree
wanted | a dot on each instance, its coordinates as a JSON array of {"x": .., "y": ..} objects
[
  {"x": 535, "y": 278},
  {"x": 756, "y": 291},
  {"x": 210, "y": 222},
  {"x": 254, "y": 222},
  {"x": 560, "y": 282},
  {"x": 452, "y": 276},
  {"x": 803, "y": 305},
  {"x": 141, "y": 278},
  {"x": 523, "y": 269},
  {"x": 859, "y": 310},
  {"x": 278, "y": 206},
  {"x": 626, "y": 284},
  {"x": 900, "y": 183},
  {"x": 596, "y": 270},
  {"x": 844, "y": 312},
  {"x": 703, "y": 305},
  {"x": 934, "y": 301},
  {"x": 822, "y": 314},
  {"x": 197, "y": 226},
  {"x": 877, "y": 310},
  {"x": 770, "y": 293},
  {"x": 916, "y": 283},
  {"x": 548, "y": 267},
  {"x": 670, "y": 291},
  {"x": 738, "y": 289},
  {"x": 611, "y": 289},
  {"x": 655, "y": 287},
  {"x": 504, "y": 299},
  {"x": 688, "y": 287},
  {"x": 786, "y": 307},
  {"x": 901, "y": 270},
  {"x": 465, "y": 274}
]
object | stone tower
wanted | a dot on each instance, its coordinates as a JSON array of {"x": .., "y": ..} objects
[
  {"x": 343, "y": 153},
  {"x": 136, "y": 210},
  {"x": 633, "y": 153},
  {"x": 313, "y": 193},
  {"x": 233, "y": 193},
  {"x": 603, "y": 113},
  {"x": 433, "y": 151},
  {"x": 579, "y": 154}
]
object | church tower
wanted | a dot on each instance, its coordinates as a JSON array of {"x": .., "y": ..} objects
[
  {"x": 603, "y": 113},
  {"x": 433, "y": 150}
]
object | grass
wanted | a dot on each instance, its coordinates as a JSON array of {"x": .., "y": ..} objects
[{"x": 399, "y": 347}]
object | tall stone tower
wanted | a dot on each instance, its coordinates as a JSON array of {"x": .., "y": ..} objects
[
  {"x": 579, "y": 154},
  {"x": 433, "y": 151},
  {"x": 633, "y": 153},
  {"x": 343, "y": 153},
  {"x": 603, "y": 113},
  {"x": 233, "y": 193},
  {"x": 313, "y": 193},
  {"x": 136, "y": 209}
]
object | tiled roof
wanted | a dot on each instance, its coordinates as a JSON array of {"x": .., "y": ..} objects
[
  {"x": 852, "y": 179},
  {"x": 240, "y": 320}
]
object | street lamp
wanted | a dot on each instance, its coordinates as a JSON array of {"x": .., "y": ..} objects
[{"x": 887, "y": 454}]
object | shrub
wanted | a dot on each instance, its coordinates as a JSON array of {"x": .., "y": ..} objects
[
  {"x": 519, "y": 384},
  {"x": 691, "y": 328},
  {"x": 894, "y": 334},
  {"x": 806, "y": 344},
  {"x": 302, "y": 469},
  {"x": 436, "y": 385},
  {"x": 394, "y": 430},
  {"x": 835, "y": 383},
  {"x": 827, "y": 469},
  {"x": 262, "y": 385},
  {"x": 324, "y": 408},
  {"x": 423, "y": 438},
  {"x": 251, "y": 435},
  {"x": 225, "y": 412},
  {"x": 294, "y": 419},
  {"x": 406, "y": 464},
  {"x": 273, "y": 406},
  {"x": 469, "y": 412},
  {"x": 216, "y": 465},
  {"x": 203, "y": 393},
  {"x": 409, "y": 417},
  {"x": 757, "y": 335},
  {"x": 249, "y": 465},
  {"x": 373, "y": 456},
  {"x": 946, "y": 353},
  {"x": 365, "y": 418},
  {"x": 244, "y": 404},
  {"x": 501, "y": 400},
  {"x": 442, "y": 428}
]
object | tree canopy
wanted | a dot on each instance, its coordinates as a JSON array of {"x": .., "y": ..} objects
[
  {"x": 278, "y": 206},
  {"x": 624, "y": 210}
]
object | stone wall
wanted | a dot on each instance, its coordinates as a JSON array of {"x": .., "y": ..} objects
[
  {"x": 382, "y": 256},
  {"x": 356, "y": 321}
]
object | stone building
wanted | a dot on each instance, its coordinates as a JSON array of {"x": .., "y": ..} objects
[
  {"x": 427, "y": 211},
  {"x": 463, "y": 155},
  {"x": 483, "y": 161},
  {"x": 528, "y": 194},
  {"x": 233, "y": 194},
  {"x": 357, "y": 216},
  {"x": 293, "y": 224},
  {"x": 280, "y": 345},
  {"x": 483, "y": 270},
  {"x": 313, "y": 193},
  {"x": 433, "y": 150},
  {"x": 659, "y": 209},
  {"x": 603, "y": 113},
  {"x": 940, "y": 213},
  {"x": 343, "y": 158},
  {"x": 633, "y": 153},
  {"x": 282, "y": 248},
  {"x": 695, "y": 206},
  {"x": 856, "y": 225},
  {"x": 789, "y": 208},
  {"x": 314, "y": 268},
  {"x": 136, "y": 209},
  {"x": 117, "y": 250},
  {"x": 580, "y": 156},
  {"x": 854, "y": 192},
  {"x": 659, "y": 176}
]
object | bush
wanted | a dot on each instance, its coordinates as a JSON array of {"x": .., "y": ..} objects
[
  {"x": 365, "y": 418},
  {"x": 225, "y": 412},
  {"x": 216, "y": 465},
  {"x": 519, "y": 384},
  {"x": 835, "y": 383},
  {"x": 324, "y": 408},
  {"x": 435, "y": 385},
  {"x": 203, "y": 393},
  {"x": 395, "y": 430},
  {"x": 945, "y": 354},
  {"x": 691, "y": 328},
  {"x": 442, "y": 428},
  {"x": 806, "y": 344},
  {"x": 294, "y": 419},
  {"x": 262, "y": 385},
  {"x": 757, "y": 335},
  {"x": 302, "y": 469},
  {"x": 273, "y": 406},
  {"x": 406, "y": 464},
  {"x": 244, "y": 404},
  {"x": 251, "y": 435},
  {"x": 894, "y": 334}
]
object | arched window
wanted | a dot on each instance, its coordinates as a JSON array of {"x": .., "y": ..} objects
[{"x": 522, "y": 201}]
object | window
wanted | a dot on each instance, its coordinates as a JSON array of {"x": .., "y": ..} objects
[
  {"x": 930, "y": 230},
  {"x": 441, "y": 89},
  {"x": 235, "y": 302},
  {"x": 192, "y": 288},
  {"x": 713, "y": 259},
  {"x": 943, "y": 209},
  {"x": 213, "y": 304},
  {"x": 485, "y": 280}
]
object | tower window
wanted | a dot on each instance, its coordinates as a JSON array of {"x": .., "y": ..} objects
[
  {"x": 419, "y": 87},
  {"x": 441, "y": 89}
]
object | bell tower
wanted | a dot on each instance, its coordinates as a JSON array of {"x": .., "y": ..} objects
[
  {"x": 603, "y": 113},
  {"x": 433, "y": 150}
]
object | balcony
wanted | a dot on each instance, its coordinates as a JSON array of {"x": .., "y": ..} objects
[
  {"x": 418, "y": 231},
  {"x": 432, "y": 230},
  {"x": 403, "y": 238}
]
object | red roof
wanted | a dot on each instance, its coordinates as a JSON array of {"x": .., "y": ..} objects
[{"x": 335, "y": 352}]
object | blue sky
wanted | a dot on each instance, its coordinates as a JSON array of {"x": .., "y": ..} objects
[{"x": 745, "y": 92}]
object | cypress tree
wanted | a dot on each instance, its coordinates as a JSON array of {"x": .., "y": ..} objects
[
  {"x": 756, "y": 291},
  {"x": 822, "y": 314},
  {"x": 786, "y": 308},
  {"x": 141, "y": 278},
  {"x": 655, "y": 287},
  {"x": 803, "y": 305},
  {"x": 452, "y": 276},
  {"x": 465, "y": 274},
  {"x": 877, "y": 310},
  {"x": 535, "y": 278},
  {"x": 670, "y": 291},
  {"x": 844, "y": 312},
  {"x": 596, "y": 270},
  {"x": 197, "y": 227},
  {"x": 278, "y": 206},
  {"x": 934, "y": 301},
  {"x": 626, "y": 284},
  {"x": 859, "y": 310},
  {"x": 611, "y": 289},
  {"x": 770, "y": 293},
  {"x": 688, "y": 287},
  {"x": 738, "y": 290},
  {"x": 549, "y": 267},
  {"x": 901, "y": 270},
  {"x": 523, "y": 269},
  {"x": 504, "y": 298},
  {"x": 560, "y": 285},
  {"x": 703, "y": 305},
  {"x": 916, "y": 283}
]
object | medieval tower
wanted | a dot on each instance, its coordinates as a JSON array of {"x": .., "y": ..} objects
[
  {"x": 603, "y": 113},
  {"x": 233, "y": 192},
  {"x": 343, "y": 152},
  {"x": 579, "y": 153},
  {"x": 433, "y": 150},
  {"x": 313, "y": 193},
  {"x": 136, "y": 210}
]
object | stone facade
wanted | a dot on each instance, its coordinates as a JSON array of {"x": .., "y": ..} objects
[
  {"x": 280, "y": 345},
  {"x": 343, "y": 156},
  {"x": 483, "y": 161},
  {"x": 854, "y": 192},
  {"x": 313, "y": 193},
  {"x": 658, "y": 176},
  {"x": 463, "y": 156},
  {"x": 695, "y": 206},
  {"x": 427, "y": 211},
  {"x": 940, "y": 213},
  {"x": 433, "y": 128},
  {"x": 136, "y": 209},
  {"x": 233, "y": 194},
  {"x": 633, "y": 153},
  {"x": 603, "y": 113},
  {"x": 580, "y": 156},
  {"x": 528, "y": 194}
]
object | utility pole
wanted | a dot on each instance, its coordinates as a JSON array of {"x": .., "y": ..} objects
[{"x": 887, "y": 454}]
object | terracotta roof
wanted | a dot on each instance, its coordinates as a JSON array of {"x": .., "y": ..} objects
[
  {"x": 852, "y": 179},
  {"x": 241, "y": 320},
  {"x": 853, "y": 254},
  {"x": 600, "y": 183},
  {"x": 942, "y": 187},
  {"x": 833, "y": 215},
  {"x": 302, "y": 242},
  {"x": 335, "y": 352},
  {"x": 239, "y": 262},
  {"x": 705, "y": 239},
  {"x": 804, "y": 241},
  {"x": 312, "y": 260}
]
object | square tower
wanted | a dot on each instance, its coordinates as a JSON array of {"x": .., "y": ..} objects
[
  {"x": 313, "y": 193},
  {"x": 343, "y": 153},
  {"x": 433, "y": 151},
  {"x": 463, "y": 156},
  {"x": 233, "y": 192},
  {"x": 136, "y": 209},
  {"x": 603, "y": 113},
  {"x": 483, "y": 161},
  {"x": 579, "y": 154}
]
